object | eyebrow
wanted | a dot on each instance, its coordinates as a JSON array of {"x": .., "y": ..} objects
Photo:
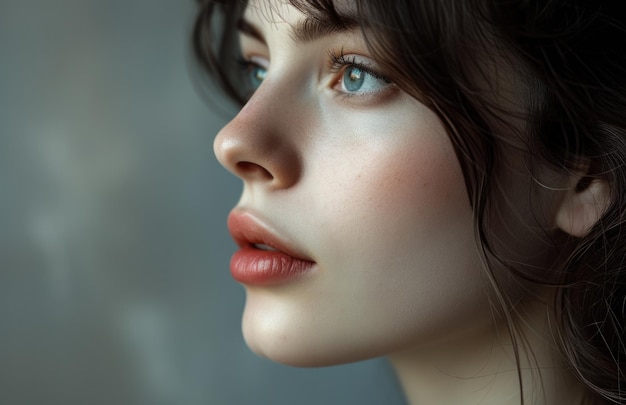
[{"x": 306, "y": 30}]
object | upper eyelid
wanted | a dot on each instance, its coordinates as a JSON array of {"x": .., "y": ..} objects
[
  {"x": 334, "y": 64},
  {"x": 253, "y": 51},
  {"x": 340, "y": 59},
  {"x": 259, "y": 61}
]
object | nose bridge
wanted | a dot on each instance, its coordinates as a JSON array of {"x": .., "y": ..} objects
[{"x": 258, "y": 144}]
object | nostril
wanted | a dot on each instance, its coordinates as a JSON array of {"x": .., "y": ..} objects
[{"x": 249, "y": 169}]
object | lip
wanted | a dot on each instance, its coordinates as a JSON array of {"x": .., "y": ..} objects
[{"x": 253, "y": 266}]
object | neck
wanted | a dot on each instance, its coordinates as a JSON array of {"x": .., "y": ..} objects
[{"x": 483, "y": 368}]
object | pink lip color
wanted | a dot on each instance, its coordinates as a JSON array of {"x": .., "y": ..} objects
[{"x": 253, "y": 266}]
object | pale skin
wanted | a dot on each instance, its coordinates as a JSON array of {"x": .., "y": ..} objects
[{"x": 363, "y": 180}]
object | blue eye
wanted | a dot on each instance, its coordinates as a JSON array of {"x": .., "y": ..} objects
[
  {"x": 357, "y": 80},
  {"x": 256, "y": 75},
  {"x": 358, "y": 74},
  {"x": 254, "y": 71}
]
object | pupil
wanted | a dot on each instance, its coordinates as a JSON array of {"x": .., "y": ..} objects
[
  {"x": 355, "y": 74},
  {"x": 353, "y": 79}
]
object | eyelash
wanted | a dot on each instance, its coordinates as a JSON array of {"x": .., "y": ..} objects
[
  {"x": 339, "y": 62},
  {"x": 245, "y": 64}
]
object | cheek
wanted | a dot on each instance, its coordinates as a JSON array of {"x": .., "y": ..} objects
[
  {"x": 398, "y": 233},
  {"x": 399, "y": 182}
]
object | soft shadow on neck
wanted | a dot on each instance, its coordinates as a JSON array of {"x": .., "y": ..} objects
[{"x": 481, "y": 367}]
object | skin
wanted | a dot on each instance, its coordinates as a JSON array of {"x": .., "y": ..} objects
[{"x": 368, "y": 187}]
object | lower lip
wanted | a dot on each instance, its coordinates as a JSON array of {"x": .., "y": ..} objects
[{"x": 263, "y": 267}]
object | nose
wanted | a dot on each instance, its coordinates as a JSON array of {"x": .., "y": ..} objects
[{"x": 259, "y": 145}]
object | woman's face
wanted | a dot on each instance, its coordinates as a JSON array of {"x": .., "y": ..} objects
[{"x": 358, "y": 187}]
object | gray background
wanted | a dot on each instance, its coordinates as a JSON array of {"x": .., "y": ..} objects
[{"x": 114, "y": 283}]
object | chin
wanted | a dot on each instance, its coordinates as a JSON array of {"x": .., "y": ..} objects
[
  {"x": 298, "y": 343},
  {"x": 291, "y": 348},
  {"x": 300, "y": 354}
]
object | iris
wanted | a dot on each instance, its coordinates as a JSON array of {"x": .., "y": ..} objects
[
  {"x": 256, "y": 75},
  {"x": 358, "y": 80}
]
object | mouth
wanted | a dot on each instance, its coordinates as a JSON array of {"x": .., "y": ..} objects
[
  {"x": 249, "y": 232},
  {"x": 264, "y": 258}
]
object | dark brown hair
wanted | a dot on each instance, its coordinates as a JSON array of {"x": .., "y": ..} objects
[{"x": 571, "y": 57}]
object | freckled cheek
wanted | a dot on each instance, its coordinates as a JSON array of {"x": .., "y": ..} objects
[
  {"x": 419, "y": 178},
  {"x": 395, "y": 161},
  {"x": 408, "y": 188},
  {"x": 396, "y": 235}
]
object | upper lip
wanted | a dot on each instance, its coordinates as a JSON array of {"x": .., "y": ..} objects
[{"x": 248, "y": 230}]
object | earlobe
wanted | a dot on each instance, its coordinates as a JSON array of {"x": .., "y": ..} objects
[{"x": 583, "y": 206}]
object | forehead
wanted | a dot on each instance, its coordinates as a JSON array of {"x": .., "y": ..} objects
[
  {"x": 271, "y": 11},
  {"x": 303, "y": 23},
  {"x": 285, "y": 10}
]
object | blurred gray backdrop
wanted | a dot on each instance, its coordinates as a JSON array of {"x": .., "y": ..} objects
[{"x": 114, "y": 282}]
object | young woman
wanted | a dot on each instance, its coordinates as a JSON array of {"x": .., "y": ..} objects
[{"x": 437, "y": 181}]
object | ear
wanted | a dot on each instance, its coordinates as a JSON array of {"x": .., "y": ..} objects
[{"x": 583, "y": 205}]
